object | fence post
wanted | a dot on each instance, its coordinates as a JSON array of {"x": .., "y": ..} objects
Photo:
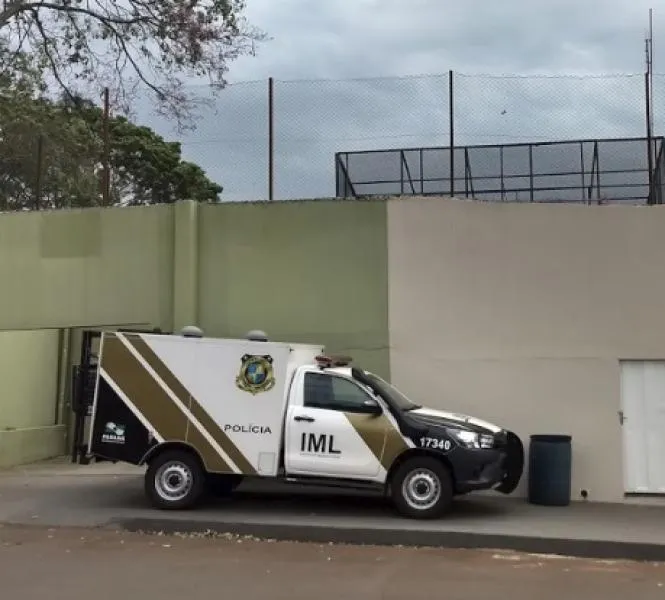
[
  {"x": 40, "y": 167},
  {"x": 451, "y": 103},
  {"x": 650, "y": 197},
  {"x": 271, "y": 138},
  {"x": 531, "y": 180}
]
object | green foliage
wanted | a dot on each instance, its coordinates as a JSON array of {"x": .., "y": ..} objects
[
  {"x": 145, "y": 168},
  {"x": 51, "y": 156},
  {"x": 127, "y": 45},
  {"x": 51, "y": 151}
]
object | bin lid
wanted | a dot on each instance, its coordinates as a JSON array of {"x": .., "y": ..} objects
[{"x": 551, "y": 437}]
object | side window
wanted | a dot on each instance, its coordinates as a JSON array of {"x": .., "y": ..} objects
[{"x": 333, "y": 393}]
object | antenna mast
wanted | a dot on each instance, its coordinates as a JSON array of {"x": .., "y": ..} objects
[
  {"x": 648, "y": 90},
  {"x": 650, "y": 66}
]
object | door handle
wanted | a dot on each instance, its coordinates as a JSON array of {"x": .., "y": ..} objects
[{"x": 307, "y": 419}]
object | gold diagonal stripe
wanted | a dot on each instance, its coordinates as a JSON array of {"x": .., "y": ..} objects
[
  {"x": 371, "y": 429},
  {"x": 395, "y": 445},
  {"x": 378, "y": 433},
  {"x": 153, "y": 402},
  {"x": 174, "y": 384}
]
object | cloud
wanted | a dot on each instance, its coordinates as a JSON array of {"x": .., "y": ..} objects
[
  {"x": 349, "y": 59},
  {"x": 390, "y": 37}
]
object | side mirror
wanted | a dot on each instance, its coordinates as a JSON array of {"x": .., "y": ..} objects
[{"x": 372, "y": 407}]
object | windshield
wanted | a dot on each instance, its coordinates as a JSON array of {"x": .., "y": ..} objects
[{"x": 392, "y": 394}]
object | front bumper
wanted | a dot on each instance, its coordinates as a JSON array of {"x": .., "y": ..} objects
[
  {"x": 513, "y": 463},
  {"x": 499, "y": 468}
]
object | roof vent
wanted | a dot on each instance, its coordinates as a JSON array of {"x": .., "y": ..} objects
[
  {"x": 191, "y": 331},
  {"x": 256, "y": 335}
]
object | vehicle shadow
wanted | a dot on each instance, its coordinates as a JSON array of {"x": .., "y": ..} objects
[{"x": 292, "y": 499}]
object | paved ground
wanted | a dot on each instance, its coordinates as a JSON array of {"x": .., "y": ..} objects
[
  {"x": 61, "y": 494},
  {"x": 62, "y": 564}
]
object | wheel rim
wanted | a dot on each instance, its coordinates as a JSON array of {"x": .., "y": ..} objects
[
  {"x": 173, "y": 481},
  {"x": 421, "y": 489}
]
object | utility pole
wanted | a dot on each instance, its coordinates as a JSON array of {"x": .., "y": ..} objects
[{"x": 106, "y": 191}]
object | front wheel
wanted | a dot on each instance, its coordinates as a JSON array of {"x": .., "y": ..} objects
[
  {"x": 422, "y": 488},
  {"x": 174, "y": 480}
]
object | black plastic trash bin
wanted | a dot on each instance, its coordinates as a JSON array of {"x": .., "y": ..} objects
[{"x": 550, "y": 469}]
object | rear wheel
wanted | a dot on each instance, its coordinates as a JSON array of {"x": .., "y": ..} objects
[
  {"x": 175, "y": 480},
  {"x": 422, "y": 488}
]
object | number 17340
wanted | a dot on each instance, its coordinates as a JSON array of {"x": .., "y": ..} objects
[{"x": 437, "y": 444}]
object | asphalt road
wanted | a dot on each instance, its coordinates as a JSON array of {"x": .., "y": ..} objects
[
  {"x": 73, "y": 564},
  {"x": 59, "y": 494}
]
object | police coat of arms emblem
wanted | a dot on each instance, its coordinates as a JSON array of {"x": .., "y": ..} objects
[{"x": 256, "y": 374}]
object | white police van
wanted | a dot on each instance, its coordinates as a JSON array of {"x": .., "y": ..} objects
[{"x": 201, "y": 411}]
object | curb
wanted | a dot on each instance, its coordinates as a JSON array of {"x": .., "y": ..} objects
[{"x": 579, "y": 548}]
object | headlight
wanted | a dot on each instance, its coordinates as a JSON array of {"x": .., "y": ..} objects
[{"x": 471, "y": 439}]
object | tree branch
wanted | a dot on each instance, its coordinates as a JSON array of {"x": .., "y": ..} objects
[
  {"x": 20, "y": 6},
  {"x": 47, "y": 51},
  {"x": 160, "y": 41}
]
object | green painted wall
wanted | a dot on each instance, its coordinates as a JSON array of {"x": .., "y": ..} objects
[
  {"x": 307, "y": 271},
  {"x": 28, "y": 397},
  {"x": 86, "y": 267},
  {"x": 28, "y": 376},
  {"x": 312, "y": 271},
  {"x": 63, "y": 269}
]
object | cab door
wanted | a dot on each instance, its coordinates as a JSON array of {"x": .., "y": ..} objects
[{"x": 334, "y": 428}]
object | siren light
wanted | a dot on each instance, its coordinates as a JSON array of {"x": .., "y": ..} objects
[{"x": 326, "y": 362}]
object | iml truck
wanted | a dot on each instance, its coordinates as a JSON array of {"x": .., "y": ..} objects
[{"x": 199, "y": 411}]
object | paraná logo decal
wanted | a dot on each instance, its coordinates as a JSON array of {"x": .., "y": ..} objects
[{"x": 113, "y": 433}]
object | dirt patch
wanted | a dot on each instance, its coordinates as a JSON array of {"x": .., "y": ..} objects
[{"x": 76, "y": 563}]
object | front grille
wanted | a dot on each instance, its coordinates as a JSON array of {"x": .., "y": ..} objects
[{"x": 501, "y": 440}]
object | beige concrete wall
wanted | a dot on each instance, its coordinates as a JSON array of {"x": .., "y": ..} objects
[
  {"x": 28, "y": 404},
  {"x": 520, "y": 314}
]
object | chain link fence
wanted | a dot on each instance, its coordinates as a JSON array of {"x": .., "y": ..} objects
[
  {"x": 284, "y": 145},
  {"x": 527, "y": 138},
  {"x": 313, "y": 121},
  {"x": 503, "y": 110}
]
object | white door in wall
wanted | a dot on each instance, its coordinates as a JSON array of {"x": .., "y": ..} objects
[{"x": 643, "y": 415}]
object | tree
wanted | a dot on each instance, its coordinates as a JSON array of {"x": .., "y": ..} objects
[
  {"x": 129, "y": 44},
  {"x": 51, "y": 157},
  {"x": 28, "y": 123},
  {"x": 145, "y": 168}
]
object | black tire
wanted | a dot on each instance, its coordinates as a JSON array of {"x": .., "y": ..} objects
[
  {"x": 430, "y": 472},
  {"x": 180, "y": 465}
]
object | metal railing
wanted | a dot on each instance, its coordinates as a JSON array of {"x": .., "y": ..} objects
[
  {"x": 658, "y": 181},
  {"x": 600, "y": 171}
]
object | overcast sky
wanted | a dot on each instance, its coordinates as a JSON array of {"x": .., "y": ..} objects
[{"x": 369, "y": 52}]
